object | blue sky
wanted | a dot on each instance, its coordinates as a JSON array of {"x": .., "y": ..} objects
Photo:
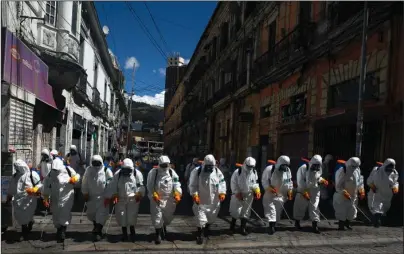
[{"x": 181, "y": 25}]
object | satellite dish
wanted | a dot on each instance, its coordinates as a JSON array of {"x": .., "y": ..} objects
[{"x": 105, "y": 29}]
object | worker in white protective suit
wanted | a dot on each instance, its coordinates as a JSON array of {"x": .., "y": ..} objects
[
  {"x": 95, "y": 181},
  {"x": 383, "y": 183},
  {"x": 54, "y": 154},
  {"x": 208, "y": 188},
  {"x": 45, "y": 165},
  {"x": 309, "y": 181},
  {"x": 59, "y": 187},
  {"x": 24, "y": 190},
  {"x": 191, "y": 166},
  {"x": 245, "y": 188},
  {"x": 348, "y": 183},
  {"x": 165, "y": 193},
  {"x": 126, "y": 191},
  {"x": 278, "y": 185}
]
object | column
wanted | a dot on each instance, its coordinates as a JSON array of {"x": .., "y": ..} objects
[{"x": 53, "y": 139}]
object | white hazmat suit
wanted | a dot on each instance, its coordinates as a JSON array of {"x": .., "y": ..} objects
[
  {"x": 383, "y": 183},
  {"x": 24, "y": 187},
  {"x": 164, "y": 190},
  {"x": 45, "y": 165},
  {"x": 59, "y": 186},
  {"x": 208, "y": 188},
  {"x": 126, "y": 189},
  {"x": 244, "y": 187},
  {"x": 348, "y": 182},
  {"x": 94, "y": 183},
  {"x": 278, "y": 185},
  {"x": 309, "y": 181}
]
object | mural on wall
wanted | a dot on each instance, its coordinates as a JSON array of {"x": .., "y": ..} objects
[{"x": 48, "y": 38}]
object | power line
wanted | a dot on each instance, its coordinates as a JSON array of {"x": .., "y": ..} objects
[
  {"x": 174, "y": 23},
  {"x": 146, "y": 31},
  {"x": 157, "y": 28}
]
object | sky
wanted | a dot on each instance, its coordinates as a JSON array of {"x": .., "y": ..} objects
[{"x": 181, "y": 25}]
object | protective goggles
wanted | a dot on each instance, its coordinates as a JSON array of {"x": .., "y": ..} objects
[
  {"x": 315, "y": 167},
  {"x": 96, "y": 163},
  {"x": 249, "y": 167},
  {"x": 164, "y": 165}
]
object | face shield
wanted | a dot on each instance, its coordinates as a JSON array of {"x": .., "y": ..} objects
[
  {"x": 126, "y": 171},
  {"x": 315, "y": 167},
  {"x": 44, "y": 157},
  {"x": 96, "y": 163},
  {"x": 208, "y": 168},
  {"x": 283, "y": 168},
  {"x": 163, "y": 165}
]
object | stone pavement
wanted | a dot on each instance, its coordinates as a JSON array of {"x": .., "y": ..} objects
[{"x": 181, "y": 235}]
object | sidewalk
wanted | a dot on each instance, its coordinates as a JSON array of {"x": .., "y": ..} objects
[{"x": 182, "y": 239}]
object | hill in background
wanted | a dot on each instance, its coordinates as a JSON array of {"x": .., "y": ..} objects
[{"x": 148, "y": 114}]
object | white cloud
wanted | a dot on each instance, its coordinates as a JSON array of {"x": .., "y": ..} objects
[
  {"x": 157, "y": 99},
  {"x": 130, "y": 61},
  {"x": 154, "y": 71},
  {"x": 186, "y": 61},
  {"x": 162, "y": 71}
]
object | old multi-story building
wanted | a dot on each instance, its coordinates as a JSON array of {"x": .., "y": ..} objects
[
  {"x": 60, "y": 83},
  {"x": 272, "y": 78}
]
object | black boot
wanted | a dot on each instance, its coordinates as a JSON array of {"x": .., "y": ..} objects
[
  {"x": 24, "y": 233},
  {"x": 376, "y": 220},
  {"x": 315, "y": 227},
  {"x": 94, "y": 227},
  {"x": 341, "y": 225},
  {"x": 164, "y": 233},
  {"x": 297, "y": 225},
  {"x": 233, "y": 225},
  {"x": 271, "y": 229},
  {"x": 98, "y": 232},
  {"x": 132, "y": 233},
  {"x": 59, "y": 234},
  {"x": 199, "y": 236},
  {"x": 63, "y": 233},
  {"x": 157, "y": 240},
  {"x": 124, "y": 234},
  {"x": 207, "y": 230},
  {"x": 30, "y": 225},
  {"x": 348, "y": 225},
  {"x": 243, "y": 228}
]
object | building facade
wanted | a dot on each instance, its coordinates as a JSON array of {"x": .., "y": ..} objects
[
  {"x": 77, "y": 94},
  {"x": 272, "y": 78}
]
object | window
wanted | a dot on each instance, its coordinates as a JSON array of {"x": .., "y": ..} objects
[
  {"x": 50, "y": 13},
  {"x": 82, "y": 45},
  {"x": 265, "y": 111},
  {"x": 74, "y": 17},
  {"x": 105, "y": 90},
  {"x": 111, "y": 109},
  {"x": 95, "y": 72}
]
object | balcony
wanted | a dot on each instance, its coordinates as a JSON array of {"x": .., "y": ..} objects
[{"x": 96, "y": 98}]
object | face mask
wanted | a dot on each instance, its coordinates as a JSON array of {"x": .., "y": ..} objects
[
  {"x": 208, "y": 168},
  {"x": 73, "y": 152},
  {"x": 44, "y": 157},
  {"x": 96, "y": 164},
  {"x": 389, "y": 169},
  {"x": 249, "y": 168},
  {"x": 315, "y": 167},
  {"x": 283, "y": 168},
  {"x": 163, "y": 166},
  {"x": 126, "y": 171}
]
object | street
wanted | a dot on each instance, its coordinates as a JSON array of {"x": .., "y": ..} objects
[{"x": 181, "y": 238}]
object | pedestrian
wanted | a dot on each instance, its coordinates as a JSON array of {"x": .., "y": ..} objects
[
  {"x": 54, "y": 154},
  {"x": 95, "y": 181},
  {"x": 59, "y": 187},
  {"x": 126, "y": 191},
  {"x": 245, "y": 188},
  {"x": 45, "y": 164},
  {"x": 24, "y": 190},
  {"x": 207, "y": 188},
  {"x": 383, "y": 183},
  {"x": 309, "y": 181},
  {"x": 348, "y": 183},
  {"x": 278, "y": 178},
  {"x": 165, "y": 193}
]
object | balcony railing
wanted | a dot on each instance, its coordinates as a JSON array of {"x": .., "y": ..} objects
[{"x": 96, "y": 98}]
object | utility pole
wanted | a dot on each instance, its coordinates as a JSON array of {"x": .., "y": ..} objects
[
  {"x": 130, "y": 108},
  {"x": 362, "y": 81}
]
